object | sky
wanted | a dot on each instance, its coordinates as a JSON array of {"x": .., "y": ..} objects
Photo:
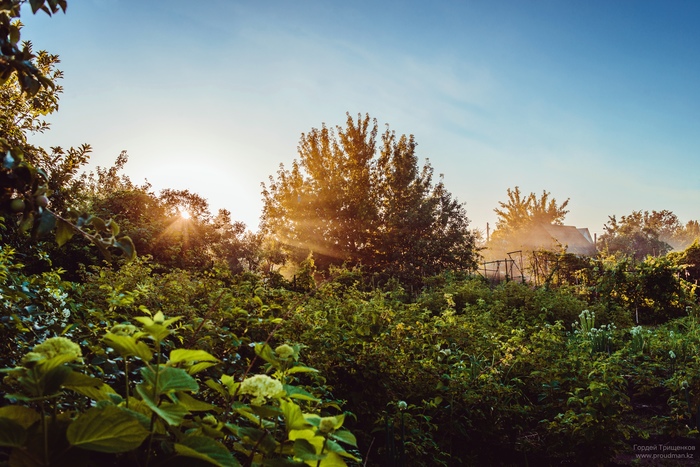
[{"x": 597, "y": 102}]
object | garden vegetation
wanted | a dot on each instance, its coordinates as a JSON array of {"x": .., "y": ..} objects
[{"x": 316, "y": 342}]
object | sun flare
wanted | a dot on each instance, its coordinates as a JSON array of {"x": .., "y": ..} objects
[{"x": 185, "y": 214}]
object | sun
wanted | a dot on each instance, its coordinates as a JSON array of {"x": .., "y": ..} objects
[{"x": 185, "y": 215}]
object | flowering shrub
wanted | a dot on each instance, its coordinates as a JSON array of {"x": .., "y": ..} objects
[{"x": 155, "y": 415}]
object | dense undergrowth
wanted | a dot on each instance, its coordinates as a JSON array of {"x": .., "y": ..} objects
[{"x": 127, "y": 366}]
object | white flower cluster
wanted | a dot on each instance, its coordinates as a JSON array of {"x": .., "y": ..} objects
[
  {"x": 261, "y": 387},
  {"x": 51, "y": 348},
  {"x": 285, "y": 351}
]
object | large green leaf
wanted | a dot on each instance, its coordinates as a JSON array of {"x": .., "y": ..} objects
[
  {"x": 25, "y": 416},
  {"x": 106, "y": 429},
  {"x": 206, "y": 449},
  {"x": 170, "y": 379},
  {"x": 127, "y": 346},
  {"x": 186, "y": 355},
  {"x": 293, "y": 417},
  {"x": 12, "y": 434}
]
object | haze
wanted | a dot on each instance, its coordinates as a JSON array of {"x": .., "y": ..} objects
[{"x": 594, "y": 101}]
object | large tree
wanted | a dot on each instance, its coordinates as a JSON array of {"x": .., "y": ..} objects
[
  {"x": 519, "y": 214},
  {"x": 357, "y": 198},
  {"x": 521, "y": 211},
  {"x": 640, "y": 234}
]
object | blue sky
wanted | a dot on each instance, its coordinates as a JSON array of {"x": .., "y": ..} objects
[{"x": 595, "y": 101}]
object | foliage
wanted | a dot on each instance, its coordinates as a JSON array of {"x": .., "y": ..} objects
[
  {"x": 159, "y": 229},
  {"x": 519, "y": 215},
  {"x": 28, "y": 176},
  {"x": 352, "y": 203},
  {"x": 438, "y": 367},
  {"x": 689, "y": 262},
  {"x": 520, "y": 211},
  {"x": 154, "y": 400},
  {"x": 639, "y": 234}
]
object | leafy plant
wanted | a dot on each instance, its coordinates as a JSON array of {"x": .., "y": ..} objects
[{"x": 156, "y": 416}]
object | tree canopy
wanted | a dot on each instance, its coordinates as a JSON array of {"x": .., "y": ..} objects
[
  {"x": 519, "y": 214},
  {"x": 642, "y": 233},
  {"x": 520, "y": 211},
  {"x": 360, "y": 198}
]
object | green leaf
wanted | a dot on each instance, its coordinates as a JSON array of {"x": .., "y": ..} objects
[
  {"x": 113, "y": 227},
  {"x": 44, "y": 225},
  {"x": 299, "y": 393},
  {"x": 52, "y": 380},
  {"x": 261, "y": 438},
  {"x": 293, "y": 417},
  {"x": 217, "y": 387},
  {"x": 265, "y": 352},
  {"x": 127, "y": 346},
  {"x": 75, "y": 379},
  {"x": 170, "y": 379},
  {"x": 36, "y": 5},
  {"x": 332, "y": 459},
  {"x": 127, "y": 246},
  {"x": 332, "y": 446},
  {"x": 25, "y": 416},
  {"x": 26, "y": 222},
  {"x": 301, "y": 369},
  {"x": 185, "y": 355},
  {"x": 49, "y": 364},
  {"x": 96, "y": 393},
  {"x": 206, "y": 449},
  {"x": 282, "y": 463},
  {"x": 12, "y": 434},
  {"x": 201, "y": 366},
  {"x": 64, "y": 232},
  {"x": 97, "y": 223},
  {"x": 345, "y": 436},
  {"x": 106, "y": 429},
  {"x": 304, "y": 450},
  {"x": 173, "y": 414},
  {"x": 14, "y": 33},
  {"x": 88, "y": 386},
  {"x": 194, "y": 405}
]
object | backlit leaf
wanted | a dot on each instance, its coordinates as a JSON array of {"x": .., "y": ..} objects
[
  {"x": 185, "y": 355},
  {"x": 25, "y": 416},
  {"x": 128, "y": 346},
  {"x": 64, "y": 232}
]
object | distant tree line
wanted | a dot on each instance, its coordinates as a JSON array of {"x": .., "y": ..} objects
[{"x": 354, "y": 197}]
